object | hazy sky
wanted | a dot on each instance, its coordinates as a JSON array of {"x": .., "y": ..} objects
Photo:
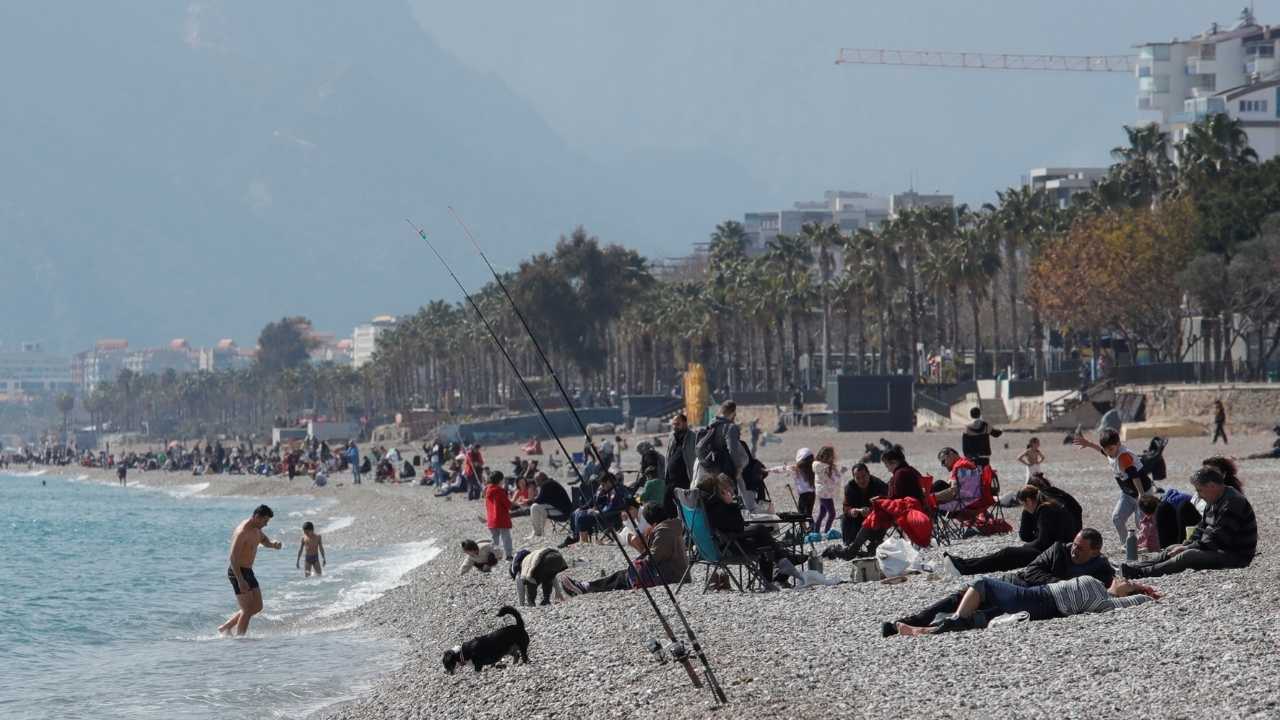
[{"x": 755, "y": 82}]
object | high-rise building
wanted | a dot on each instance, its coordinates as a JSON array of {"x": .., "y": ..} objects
[
  {"x": 1217, "y": 71},
  {"x": 31, "y": 371},
  {"x": 1063, "y": 183},
  {"x": 848, "y": 209},
  {"x": 364, "y": 339}
]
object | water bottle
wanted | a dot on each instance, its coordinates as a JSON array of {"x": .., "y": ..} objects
[{"x": 1131, "y": 546}]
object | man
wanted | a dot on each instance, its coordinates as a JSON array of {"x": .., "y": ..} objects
[
  {"x": 858, "y": 493},
  {"x": 1044, "y": 523},
  {"x": 965, "y": 484},
  {"x": 353, "y": 459},
  {"x": 244, "y": 550},
  {"x": 681, "y": 454},
  {"x": 1227, "y": 536},
  {"x": 976, "y": 440},
  {"x": 552, "y": 501},
  {"x": 754, "y": 428},
  {"x": 1060, "y": 562},
  {"x": 726, "y": 431},
  {"x": 652, "y": 463},
  {"x": 472, "y": 467}
]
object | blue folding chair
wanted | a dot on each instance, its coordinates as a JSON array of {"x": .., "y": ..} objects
[{"x": 706, "y": 550}]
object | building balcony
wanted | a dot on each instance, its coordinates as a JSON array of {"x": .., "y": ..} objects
[{"x": 1200, "y": 66}]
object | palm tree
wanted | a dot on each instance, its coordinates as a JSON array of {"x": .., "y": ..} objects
[
  {"x": 977, "y": 263},
  {"x": 65, "y": 404},
  {"x": 790, "y": 258},
  {"x": 1213, "y": 148},
  {"x": 824, "y": 239},
  {"x": 1144, "y": 169}
]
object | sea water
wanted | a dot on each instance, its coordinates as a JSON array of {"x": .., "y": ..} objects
[{"x": 110, "y": 599}]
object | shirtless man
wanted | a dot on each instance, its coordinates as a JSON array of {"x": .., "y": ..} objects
[{"x": 244, "y": 548}]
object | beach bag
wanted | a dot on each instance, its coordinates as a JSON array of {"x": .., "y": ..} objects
[
  {"x": 712, "y": 450},
  {"x": 896, "y": 557}
]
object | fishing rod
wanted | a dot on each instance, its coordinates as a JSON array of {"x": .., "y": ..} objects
[
  {"x": 716, "y": 690},
  {"x": 677, "y": 649}
]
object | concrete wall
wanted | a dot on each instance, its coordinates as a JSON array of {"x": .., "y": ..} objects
[{"x": 1248, "y": 404}]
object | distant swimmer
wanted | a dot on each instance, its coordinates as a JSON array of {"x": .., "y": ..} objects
[
  {"x": 245, "y": 540},
  {"x": 313, "y": 543}
]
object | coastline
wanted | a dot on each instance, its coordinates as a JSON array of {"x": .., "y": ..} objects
[{"x": 809, "y": 653}]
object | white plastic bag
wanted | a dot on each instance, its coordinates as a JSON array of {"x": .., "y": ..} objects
[{"x": 896, "y": 557}]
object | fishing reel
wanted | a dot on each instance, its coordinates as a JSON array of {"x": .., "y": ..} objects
[{"x": 664, "y": 654}]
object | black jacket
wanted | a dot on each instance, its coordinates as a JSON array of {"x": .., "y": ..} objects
[
  {"x": 1065, "y": 499},
  {"x": 552, "y": 493},
  {"x": 724, "y": 518},
  {"x": 1050, "y": 523},
  {"x": 976, "y": 441},
  {"x": 1055, "y": 564},
  {"x": 856, "y": 497},
  {"x": 1229, "y": 527}
]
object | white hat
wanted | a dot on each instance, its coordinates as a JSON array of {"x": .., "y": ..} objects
[{"x": 803, "y": 453}]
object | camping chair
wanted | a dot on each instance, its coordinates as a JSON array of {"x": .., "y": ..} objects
[
  {"x": 707, "y": 550},
  {"x": 983, "y": 503}
]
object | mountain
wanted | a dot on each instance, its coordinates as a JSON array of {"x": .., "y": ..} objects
[{"x": 198, "y": 170}]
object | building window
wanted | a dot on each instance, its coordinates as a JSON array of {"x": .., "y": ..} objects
[{"x": 1249, "y": 106}]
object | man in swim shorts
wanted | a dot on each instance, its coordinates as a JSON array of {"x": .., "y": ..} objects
[{"x": 245, "y": 540}]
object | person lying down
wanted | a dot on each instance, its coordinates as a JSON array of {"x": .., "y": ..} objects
[{"x": 987, "y": 599}]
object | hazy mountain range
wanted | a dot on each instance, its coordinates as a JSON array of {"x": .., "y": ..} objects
[{"x": 197, "y": 170}]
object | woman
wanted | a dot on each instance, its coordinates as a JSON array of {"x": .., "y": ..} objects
[
  {"x": 665, "y": 560},
  {"x": 1219, "y": 422},
  {"x": 521, "y": 498},
  {"x": 605, "y": 509},
  {"x": 725, "y": 518},
  {"x": 987, "y": 598}
]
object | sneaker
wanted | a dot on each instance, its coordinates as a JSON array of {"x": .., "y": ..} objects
[
  {"x": 1129, "y": 572},
  {"x": 1010, "y": 619},
  {"x": 888, "y": 629}
]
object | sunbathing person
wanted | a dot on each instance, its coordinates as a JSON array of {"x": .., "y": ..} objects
[
  {"x": 1044, "y": 522},
  {"x": 1061, "y": 561},
  {"x": 988, "y": 598},
  {"x": 1227, "y": 536}
]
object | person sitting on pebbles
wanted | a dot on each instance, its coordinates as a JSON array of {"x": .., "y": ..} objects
[
  {"x": 988, "y": 598},
  {"x": 478, "y": 555},
  {"x": 665, "y": 560},
  {"x": 1227, "y": 536}
]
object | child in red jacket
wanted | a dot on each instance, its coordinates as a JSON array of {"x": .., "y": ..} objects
[{"x": 497, "y": 511}]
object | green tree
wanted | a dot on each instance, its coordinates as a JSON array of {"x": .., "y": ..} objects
[{"x": 284, "y": 344}]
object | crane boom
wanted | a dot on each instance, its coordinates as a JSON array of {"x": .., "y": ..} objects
[{"x": 987, "y": 61}]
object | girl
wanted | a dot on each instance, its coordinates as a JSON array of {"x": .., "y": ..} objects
[
  {"x": 802, "y": 476},
  {"x": 1032, "y": 457},
  {"x": 497, "y": 510},
  {"x": 830, "y": 481}
]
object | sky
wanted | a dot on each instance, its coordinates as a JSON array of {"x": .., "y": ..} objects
[{"x": 755, "y": 82}]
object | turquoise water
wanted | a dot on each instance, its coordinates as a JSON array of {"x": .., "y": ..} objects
[{"x": 112, "y": 597}]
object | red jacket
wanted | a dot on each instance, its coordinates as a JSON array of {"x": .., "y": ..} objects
[{"x": 497, "y": 507}]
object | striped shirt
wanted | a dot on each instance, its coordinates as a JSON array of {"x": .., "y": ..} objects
[{"x": 1087, "y": 594}]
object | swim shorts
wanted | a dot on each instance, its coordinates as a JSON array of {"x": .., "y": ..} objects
[{"x": 247, "y": 574}]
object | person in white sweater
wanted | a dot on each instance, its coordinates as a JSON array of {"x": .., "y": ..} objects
[
  {"x": 988, "y": 597},
  {"x": 829, "y": 479}
]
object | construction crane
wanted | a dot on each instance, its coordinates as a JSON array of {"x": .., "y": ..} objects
[{"x": 987, "y": 61}]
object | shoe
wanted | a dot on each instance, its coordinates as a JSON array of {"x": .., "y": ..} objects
[
  {"x": 888, "y": 629},
  {"x": 1130, "y": 571},
  {"x": 567, "y": 542},
  {"x": 1010, "y": 619}
]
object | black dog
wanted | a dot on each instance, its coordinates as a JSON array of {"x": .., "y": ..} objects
[{"x": 489, "y": 649}]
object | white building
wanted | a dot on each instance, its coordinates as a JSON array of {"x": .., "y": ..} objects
[
  {"x": 31, "y": 371},
  {"x": 364, "y": 340},
  {"x": 1063, "y": 183},
  {"x": 1218, "y": 71},
  {"x": 845, "y": 208},
  {"x": 912, "y": 200},
  {"x": 101, "y": 364},
  {"x": 176, "y": 356}
]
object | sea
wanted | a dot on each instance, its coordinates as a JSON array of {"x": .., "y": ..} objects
[{"x": 110, "y": 599}]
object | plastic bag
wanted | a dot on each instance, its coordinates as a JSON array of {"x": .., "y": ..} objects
[{"x": 896, "y": 557}]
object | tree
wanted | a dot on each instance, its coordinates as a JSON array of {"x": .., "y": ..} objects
[
  {"x": 284, "y": 344},
  {"x": 65, "y": 404}
]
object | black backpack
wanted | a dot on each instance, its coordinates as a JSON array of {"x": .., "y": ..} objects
[{"x": 712, "y": 450}]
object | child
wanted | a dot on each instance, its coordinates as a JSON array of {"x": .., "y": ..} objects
[
  {"x": 830, "y": 482},
  {"x": 1148, "y": 535},
  {"x": 314, "y": 545},
  {"x": 802, "y": 475},
  {"x": 1129, "y": 475},
  {"x": 497, "y": 511},
  {"x": 477, "y": 555},
  {"x": 1032, "y": 457}
]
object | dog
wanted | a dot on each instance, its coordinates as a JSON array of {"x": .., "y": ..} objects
[{"x": 491, "y": 648}]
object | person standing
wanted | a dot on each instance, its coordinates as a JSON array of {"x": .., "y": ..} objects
[
  {"x": 754, "y": 428},
  {"x": 353, "y": 459},
  {"x": 681, "y": 454},
  {"x": 497, "y": 511},
  {"x": 1127, "y": 468},
  {"x": 726, "y": 441},
  {"x": 245, "y": 540},
  {"x": 1219, "y": 422},
  {"x": 976, "y": 441}
]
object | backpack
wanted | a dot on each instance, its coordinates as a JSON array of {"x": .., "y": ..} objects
[{"x": 712, "y": 450}]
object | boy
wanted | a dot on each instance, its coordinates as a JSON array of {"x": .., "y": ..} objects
[
  {"x": 314, "y": 545},
  {"x": 1129, "y": 474}
]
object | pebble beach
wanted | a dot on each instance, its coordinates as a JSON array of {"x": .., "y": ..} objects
[{"x": 1207, "y": 648}]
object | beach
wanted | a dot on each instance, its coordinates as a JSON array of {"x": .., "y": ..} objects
[{"x": 812, "y": 652}]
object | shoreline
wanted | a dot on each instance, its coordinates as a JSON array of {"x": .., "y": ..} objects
[{"x": 799, "y": 653}]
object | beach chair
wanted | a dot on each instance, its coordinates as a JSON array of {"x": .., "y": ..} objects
[
  {"x": 709, "y": 551},
  {"x": 982, "y": 501}
]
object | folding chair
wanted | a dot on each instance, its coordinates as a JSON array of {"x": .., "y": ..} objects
[
  {"x": 982, "y": 504},
  {"x": 708, "y": 551}
]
